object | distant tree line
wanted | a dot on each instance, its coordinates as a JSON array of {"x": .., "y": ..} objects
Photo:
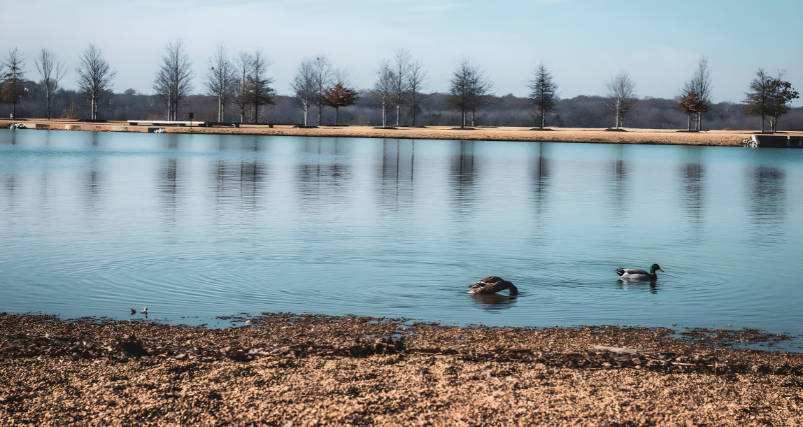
[{"x": 240, "y": 89}]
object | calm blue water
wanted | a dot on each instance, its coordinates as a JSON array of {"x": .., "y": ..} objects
[{"x": 208, "y": 225}]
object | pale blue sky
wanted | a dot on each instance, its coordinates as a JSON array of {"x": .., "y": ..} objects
[{"x": 583, "y": 42}]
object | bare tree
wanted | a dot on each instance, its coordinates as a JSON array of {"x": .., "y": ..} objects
[
  {"x": 243, "y": 68},
  {"x": 174, "y": 80},
  {"x": 95, "y": 77},
  {"x": 384, "y": 89},
  {"x": 323, "y": 79},
  {"x": 416, "y": 83},
  {"x": 220, "y": 80},
  {"x": 701, "y": 85},
  {"x": 621, "y": 96},
  {"x": 258, "y": 85},
  {"x": 543, "y": 92},
  {"x": 13, "y": 76},
  {"x": 304, "y": 87},
  {"x": 52, "y": 72},
  {"x": 469, "y": 90},
  {"x": 401, "y": 85}
]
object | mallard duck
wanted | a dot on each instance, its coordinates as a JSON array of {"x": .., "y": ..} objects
[
  {"x": 492, "y": 285},
  {"x": 634, "y": 274}
]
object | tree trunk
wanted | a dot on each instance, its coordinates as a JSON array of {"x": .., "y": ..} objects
[
  {"x": 398, "y": 114},
  {"x": 384, "y": 114},
  {"x": 617, "y": 114},
  {"x": 306, "y": 110},
  {"x": 689, "y": 121},
  {"x": 543, "y": 119},
  {"x": 463, "y": 118},
  {"x": 47, "y": 94},
  {"x": 337, "y": 109}
]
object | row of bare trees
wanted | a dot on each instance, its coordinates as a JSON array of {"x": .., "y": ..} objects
[
  {"x": 318, "y": 84},
  {"x": 95, "y": 77},
  {"x": 401, "y": 83},
  {"x": 243, "y": 82}
]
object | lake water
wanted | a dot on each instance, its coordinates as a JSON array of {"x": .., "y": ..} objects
[{"x": 208, "y": 225}]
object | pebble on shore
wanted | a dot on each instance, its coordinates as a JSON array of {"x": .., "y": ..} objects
[{"x": 321, "y": 370}]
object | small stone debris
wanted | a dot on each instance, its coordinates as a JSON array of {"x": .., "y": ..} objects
[{"x": 320, "y": 370}]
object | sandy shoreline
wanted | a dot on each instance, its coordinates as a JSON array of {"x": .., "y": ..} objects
[
  {"x": 287, "y": 370},
  {"x": 631, "y": 136}
]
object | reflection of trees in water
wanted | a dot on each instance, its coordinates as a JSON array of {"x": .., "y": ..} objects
[
  {"x": 44, "y": 196},
  {"x": 767, "y": 200},
  {"x": 462, "y": 176},
  {"x": 172, "y": 141},
  {"x": 692, "y": 174},
  {"x": 619, "y": 176},
  {"x": 168, "y": 182},
  {"x": 252, "y": 144},
  {"x": 539, "y": 166},
  {"x": 239, "y": 182},
  {"x": 397, "y": 172},
  {"x": 92, "y": 183},
  {"x": 324, "y": 179},
  {"x": 9, "y": 185}
]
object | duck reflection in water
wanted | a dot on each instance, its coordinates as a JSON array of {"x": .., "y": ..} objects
[
  {"x": 652, "y": 285},
  {"x": 494, "y": 302}
]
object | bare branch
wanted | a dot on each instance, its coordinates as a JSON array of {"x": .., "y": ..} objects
[
  {"x": 220, "y": 80},
  {"x": 621, "y": 96},
  {"x": 305, "y": 87},
  {"x": 95, "y": 78},
  {"x": 174, "y": 80}
]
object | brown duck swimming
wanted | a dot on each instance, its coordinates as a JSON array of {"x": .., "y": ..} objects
[{"x": 492, "y": 285}]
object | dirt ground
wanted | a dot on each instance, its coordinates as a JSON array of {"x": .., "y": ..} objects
[
  {"x": 287, "y": 370},
  {"x": 628, "y": 136}
]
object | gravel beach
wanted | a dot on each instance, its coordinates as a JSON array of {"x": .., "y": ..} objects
[{"x": 289, "y": 370}]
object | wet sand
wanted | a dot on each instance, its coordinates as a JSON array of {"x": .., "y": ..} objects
[
  {"x": 287, "y": 370},
  {"x": 629, "y": 136}
]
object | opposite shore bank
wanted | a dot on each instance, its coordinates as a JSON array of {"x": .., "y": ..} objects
[
  {"x": 628, "y": 136},
  {"x": 306, "y": 370}
]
